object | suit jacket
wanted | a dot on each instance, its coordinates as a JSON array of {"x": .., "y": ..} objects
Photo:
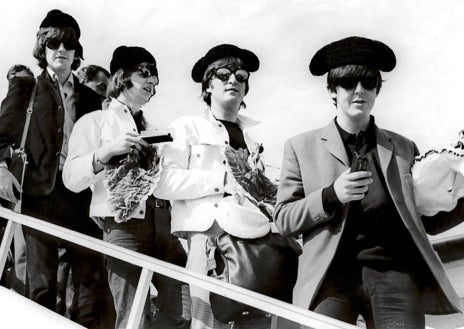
[
  {"x": 314, "y": 160},
  {"x": 45, "y": 137}
]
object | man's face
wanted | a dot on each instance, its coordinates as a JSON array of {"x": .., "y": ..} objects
[
  {"x": 355, "y": 97},
  {"x": 143, "y": 87},
  {"x": 59, "y": 55},
  {"x": 227, "y": 84},
  {"x": 99, "y": 84}
]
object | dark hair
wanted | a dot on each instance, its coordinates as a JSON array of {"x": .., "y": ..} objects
[
  {"x": 120, "y": 80},
  {"x": 46, "y": 33},
  {"x": 223, "y": 62},
  {"x": 89, "y": 73},
  {"x": 18, "y": 68}
]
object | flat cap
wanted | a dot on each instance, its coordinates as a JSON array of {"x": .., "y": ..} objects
[
  {"x": 125, "y": 57},
  {"x": 250, "y": 60},
  {"x": 353, "y": 50},
  {"x": 56, "y": 18}
]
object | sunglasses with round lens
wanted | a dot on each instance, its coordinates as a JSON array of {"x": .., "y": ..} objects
[
  {"x": 367, "y": 82},
  {"x": 54, "y": 44},
  {"x": 148, "y": 71},
  {"x": 224, "y": 74}
]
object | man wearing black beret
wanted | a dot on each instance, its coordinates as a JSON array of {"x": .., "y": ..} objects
[
  {"x": 60, "y": 100},
  {"x": 198, "y": 178},
  {"x": 346, "y": 188}
]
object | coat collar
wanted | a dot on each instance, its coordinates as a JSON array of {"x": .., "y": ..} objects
[{"x": 334, "y": 144}]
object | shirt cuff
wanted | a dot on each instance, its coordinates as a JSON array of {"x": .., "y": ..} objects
[{"x": 330, "y": 200}]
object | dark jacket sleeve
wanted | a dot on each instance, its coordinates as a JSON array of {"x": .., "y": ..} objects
[
  {"x": 443, "y": 220},
  {"x": 13, "y": 114}
]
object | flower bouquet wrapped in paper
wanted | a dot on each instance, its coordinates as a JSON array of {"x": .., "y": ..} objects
[
  {"x": 248, "y": 170},
  {"x": 438, "y": 178},
  {"x": 130, "y": 180}
]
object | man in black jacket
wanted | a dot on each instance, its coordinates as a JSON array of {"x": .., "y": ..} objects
[{"x": 60, "y": 100}]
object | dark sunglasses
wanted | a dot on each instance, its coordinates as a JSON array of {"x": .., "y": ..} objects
[
  {"x": 147, "y": 71},
  {"x": 368, "y": 82},
  {"x": 224, "y": 74},
  {"x": 54, "y": 44}
]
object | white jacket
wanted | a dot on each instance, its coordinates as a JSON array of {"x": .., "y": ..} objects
[
  {"x": 192, "y": 177},
  {"x": 89, "y": 133}
]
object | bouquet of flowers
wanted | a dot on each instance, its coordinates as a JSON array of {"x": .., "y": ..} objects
[
  {"x": 130, "y": 180},
  {"x": 248, "y": 170}
]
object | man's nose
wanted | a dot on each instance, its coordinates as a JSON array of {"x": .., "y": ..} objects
[{"x": 359, "y": 87}]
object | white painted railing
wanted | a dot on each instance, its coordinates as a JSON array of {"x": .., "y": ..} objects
[{"x": 150, "y": 265}]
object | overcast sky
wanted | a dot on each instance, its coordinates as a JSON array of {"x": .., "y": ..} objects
[{"x": 421, "y": 98}]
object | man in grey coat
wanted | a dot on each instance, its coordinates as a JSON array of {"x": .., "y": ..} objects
[{"x": 347, "y": 189}]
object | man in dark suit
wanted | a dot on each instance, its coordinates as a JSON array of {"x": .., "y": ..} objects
[
  {"x": 59, "y": 101},
  {"x": 347, "y": 189}
]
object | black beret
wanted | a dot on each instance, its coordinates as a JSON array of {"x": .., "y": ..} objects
[
  {"x": 353, "y": 50},
  {"x": 250, "y": 60},
  {"x": 56, "y": 18},
  {"x": 125, "y": 57}
]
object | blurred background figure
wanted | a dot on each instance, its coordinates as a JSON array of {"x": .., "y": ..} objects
[
  {"x": 96, "y": 78},
  {"x": 19, "y": 70}
]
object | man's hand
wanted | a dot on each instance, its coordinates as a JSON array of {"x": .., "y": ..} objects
[
  {"x": 120, "y": 145},
  {"x": 7, "y": 181},
  {"x": 352, "y": 186}
]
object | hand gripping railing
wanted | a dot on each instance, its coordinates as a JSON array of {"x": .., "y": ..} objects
[{"x": 150, "y": 265}]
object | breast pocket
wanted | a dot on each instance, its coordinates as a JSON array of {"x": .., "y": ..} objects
[{"x": 204, "y": 156}]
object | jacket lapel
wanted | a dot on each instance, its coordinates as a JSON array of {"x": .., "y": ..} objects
[
  {"x": 334, "y": 144},
  {"x": 48, "y": 79},
  {"x": 385, "y": 151}
]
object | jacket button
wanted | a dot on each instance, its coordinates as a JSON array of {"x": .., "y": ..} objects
[
  {"x": 216, "y": 190},
  {"x": 216, "y": 205},
  {"x": 58, "y": 153},
  {"x": 198, "y": 155},
  {"x": 141, "y": 212},
  {"x": 219, "y": 125},
  {"x": 60, "y": 108},
  {"x": 59, "y": 131},
  {"x": 125, "y": 111},
  {"x": 224, "y": 161},
  {"x": 227, "y": 143}
]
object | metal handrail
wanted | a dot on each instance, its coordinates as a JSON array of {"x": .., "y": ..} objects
[{"x": 150, "y": 265}]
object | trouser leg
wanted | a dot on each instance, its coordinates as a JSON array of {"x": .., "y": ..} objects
[
  {"x": 42, "y": 263},
  {"x": 19, "y": 283},
  {"x": 169, "y": 302},
  {"x": 394, "y": 299}
]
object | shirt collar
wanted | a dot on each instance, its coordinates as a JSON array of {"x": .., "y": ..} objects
[
  {"x": 243, "y": 121},
  {"x": 350, "y": 139},
  {"x": 55, "y": 79}
]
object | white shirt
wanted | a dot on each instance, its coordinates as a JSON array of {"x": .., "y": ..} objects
[
  {"x": 91, "y": 132},
  {"x": 192, "y": 177}
]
